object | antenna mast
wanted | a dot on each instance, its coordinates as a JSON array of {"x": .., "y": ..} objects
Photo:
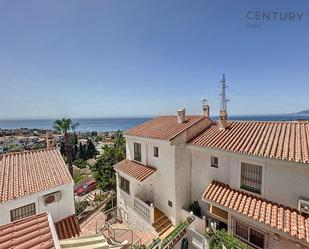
[{"x": 223, "y": 96}]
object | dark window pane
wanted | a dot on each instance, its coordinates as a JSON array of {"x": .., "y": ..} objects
[
  {"x": 137, "y": 152},
  {"x": 256, "y": 238},
  {"x": 242, "y": 230},
  {"x": 155, "y": 151},
  {"x": 23, "y": 212},
  {"x": 214, "y": 162},
  {"x": 251, "y": 177}
]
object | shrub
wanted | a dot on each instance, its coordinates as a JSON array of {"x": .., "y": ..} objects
[
  {"x": 80, "y": 207},
  {"x": 77, "y": 178},
  {"x": 98, "y": 198},
  {"x": 216, "y": 239}
]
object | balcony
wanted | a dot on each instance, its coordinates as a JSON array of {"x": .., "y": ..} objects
[
  {"x": 152, "y": 215},
  {"x": 144, "y": 209}
]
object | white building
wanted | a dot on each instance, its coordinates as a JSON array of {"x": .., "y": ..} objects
[
  {"x": 35, "y": 182},
  {"x": 249, "y": 177}
]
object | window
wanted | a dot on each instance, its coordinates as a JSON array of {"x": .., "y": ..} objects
[
  {"x": 137, "y": 152},
  {"x": 124, "y": 184},
  {"x": 155, "y": 151},
  {"x": 170, "y": 203},
  {"x": 249, "y": 235},
  {"x": 23, "y": 212},
  {"x": 214, "y": 162},
  {"x": 251, "y": 178}
]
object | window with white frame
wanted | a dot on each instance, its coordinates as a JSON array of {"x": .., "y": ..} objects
[
  {"x": 214, "y": 162},
  {"x": 23, "y": 212},
  {"x": 251, "y": 178},
  {"x": 124, "y": 184},
  {"x": 137, "y": 152},
  {"x": 249, "y": 235}
]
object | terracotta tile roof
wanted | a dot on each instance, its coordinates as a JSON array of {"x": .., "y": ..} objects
[
  {"x": 68, "y": 227},
  {"x": 163, "y": 127},
  {"x": 28, "y": 172},
  {"x": 281, "y": 140},
  {"x": 32, "y": 232},
  {"x": 138, "y": 171},
  {"x": 274, "y": 215}
]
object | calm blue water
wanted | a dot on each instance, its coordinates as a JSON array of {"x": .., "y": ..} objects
[
  {"x": 110, "y": 124},
  {"x": 85, "y": 124}
]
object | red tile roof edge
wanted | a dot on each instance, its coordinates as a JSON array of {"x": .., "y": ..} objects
[
  {"x": 201, "y": 117},
  {"x": 30, "y": 232},
  {"x": 279, "y": 140},
  {"x": 134, "y": 169},
  {"x": 274, "y": 215},
  {"x": 34, "y": 162},
  {"x": 68, "y": 227}
]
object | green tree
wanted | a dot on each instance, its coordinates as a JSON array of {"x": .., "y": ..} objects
[
  {"x": 103, "y": 169},
  {"x": 91, "y": 149},
  {"x": 82, "y": 152},
  {"x": 66, "y": 126}
]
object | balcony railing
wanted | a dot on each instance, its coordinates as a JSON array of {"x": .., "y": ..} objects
[{"x": 147, "y": 211}]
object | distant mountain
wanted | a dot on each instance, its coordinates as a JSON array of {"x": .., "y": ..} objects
[{"x": 303, "y": 112}]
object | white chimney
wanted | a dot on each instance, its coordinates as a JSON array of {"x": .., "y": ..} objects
[{"x": 181, "y": 116}]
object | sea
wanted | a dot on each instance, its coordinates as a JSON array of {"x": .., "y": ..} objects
[{"x": 112, "y": 124}]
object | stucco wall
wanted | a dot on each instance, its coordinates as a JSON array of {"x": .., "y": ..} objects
[
  {"x": 163, "y": 185},
  {"x": 125, "y": 202},
  {"x": 282, "y": 182},
  {"x": 58, "y": 210},
  {"x": 202, "y": 174}
]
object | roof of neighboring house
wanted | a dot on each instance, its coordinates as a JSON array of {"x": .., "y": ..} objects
[
  {"x": 32, "y": 232},
  {"x": 29, "y": 172},
  {"x": 164, "y": 127},
  {"x": 286, "y": 140},
  {"x": 138, "y": 171},
  {"x": 274, "y": 215},
  {"x": 87, "y": 241},
  {"x": 68, "y": 227}
]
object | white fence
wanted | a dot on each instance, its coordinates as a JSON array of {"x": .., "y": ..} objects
[
  {"x": 147, "y": 211},
  {"x": 197, "y": 240}
]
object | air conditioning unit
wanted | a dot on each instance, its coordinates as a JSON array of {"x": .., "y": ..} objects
[
  {"x": 303, "y": 205},
  {"x": 53, "y": 197}
]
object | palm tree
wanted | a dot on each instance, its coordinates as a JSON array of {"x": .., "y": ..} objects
[{"x": 65, "y": 125}]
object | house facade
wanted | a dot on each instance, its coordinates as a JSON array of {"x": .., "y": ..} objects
[
  {"x": 34, "y": 182},
  {"x": 249, "y": 177}
]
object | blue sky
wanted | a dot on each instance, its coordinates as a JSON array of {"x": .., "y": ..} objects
[{"x": 110, "y": 58}]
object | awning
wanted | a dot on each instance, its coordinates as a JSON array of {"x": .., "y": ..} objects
[
  {"x": 284, "y": 219},
  {"x": 136, "y": 170}
]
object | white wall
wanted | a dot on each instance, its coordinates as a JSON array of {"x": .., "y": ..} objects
[
  {"x": 125, "y": 202},
  {"x": 202, "y": 173},
  {"x": 282, "y": 182},
  {"x": 58, "y": 210},
  {"x": 163, "y": 185}
]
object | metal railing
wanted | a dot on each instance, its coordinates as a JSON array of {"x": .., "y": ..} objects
[
  {"x": 147, "y": 211},
  {"x": 120, "y": 236}
]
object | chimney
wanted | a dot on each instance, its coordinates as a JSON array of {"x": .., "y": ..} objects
[
  {"x": 222, "y": 120},
  {"x": 50, "y": 142},
  {"x": 205, "y": 104},
  {"x": 181, "y": 117}
]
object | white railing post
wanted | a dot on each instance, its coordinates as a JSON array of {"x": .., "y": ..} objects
[{"x": 151, "y": 213}]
